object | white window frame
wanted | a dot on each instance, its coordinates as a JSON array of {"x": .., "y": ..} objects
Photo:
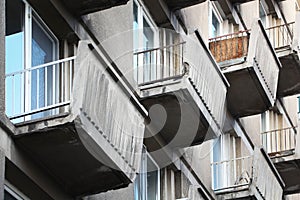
[
  {"x": 227, "y": 149},
  {"x": 29, "y": 15},
  {"x": 143, "y": 13},
  {"x": 141, "y": 179},
  {"x": 214, "y": 10}
]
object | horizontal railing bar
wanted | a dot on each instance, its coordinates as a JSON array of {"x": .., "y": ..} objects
[
  {"x": 40, "y": 110},
  {"x": 233, "y": 186},
  {"x": 158, "y": 48},
  {"x": 41, "y": 66},
  {"x": 281, "y": 129},
  {"x": 235, "y": 159},
  {"x": 230, "y": 34},
  {"x": 272, "y": 27}
]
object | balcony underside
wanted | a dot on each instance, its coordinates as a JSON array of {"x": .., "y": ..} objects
[
  {"x": 246, "y": 95},
  {"x": 81, "y": 7},
  {"x": 178, "y": 114},
  {"x": 161, "y": 10},
  {"x": 60, "y": 151},
  {"x": 179, "y": 4},
  {"x": 290, "y": 173},
  {"x": 289, "y": 75}
]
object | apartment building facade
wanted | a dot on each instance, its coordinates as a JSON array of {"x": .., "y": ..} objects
[{"x": 149, "y": 99}]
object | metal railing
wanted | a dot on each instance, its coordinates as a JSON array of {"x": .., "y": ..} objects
[
  {"x": 159, "y": 63},
  {"x": 232, "y": 173},
  {"x": 230, "y": 46},
  {"x": 281, "y": 35},
  {"x": 39, "y": 91},
  {"x": 279, "y": 141}
]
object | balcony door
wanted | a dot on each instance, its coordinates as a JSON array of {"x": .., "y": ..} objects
[
  {"x": 29, "y": 44},
  {"x": 144, "y": 40}
]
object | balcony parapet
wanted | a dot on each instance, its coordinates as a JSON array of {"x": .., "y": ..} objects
[
  {"x": 254, "y": 174},
  {"x": 279, "y": 142},
  {"x": 97, "y": 100}
]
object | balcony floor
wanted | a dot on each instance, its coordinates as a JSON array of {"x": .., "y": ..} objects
[
  {"x": 289, "y": 172},
  {"x": 246, "y": 95},
  {"x": 289, "y": 75},
  {"x": 60, "y": 152},
  {"x": 178, "y": 114}
]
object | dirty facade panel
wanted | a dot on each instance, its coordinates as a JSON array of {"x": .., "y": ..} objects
[{"x": 100, "y": 99}]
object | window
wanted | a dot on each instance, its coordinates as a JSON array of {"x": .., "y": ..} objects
[
  {"x": 147, "y": 183},
  {"x": 215, "y": 25},
  {"x": 262, "y": 14},
  {"x": 144, "y": 38},
  {"x": 215, "y": 21},
  {"x": 228, "y": 167},
  {"x": 29, "y": 43}
]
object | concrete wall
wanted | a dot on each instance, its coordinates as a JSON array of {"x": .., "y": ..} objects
[
  {"x": 249, "y": 12},
  {"x": 113, "y": 29},
  {"x": 289, "y": 10},
  {"x": 197, "y": 17},
  {"x": 252, "y": 126},
  {"x": 199, "y": 157}
]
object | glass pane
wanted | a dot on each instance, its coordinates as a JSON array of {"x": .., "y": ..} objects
[
  {"x": 215, "y": 25},
  {"x": 14, "y": 56},
  {"x": 152, "y": 180},
  {"x": 148, "y": 43},
  {"x": 42, "y": 49},
  {"x": 135, "y": 39}
]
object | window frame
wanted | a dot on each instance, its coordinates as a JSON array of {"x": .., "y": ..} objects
[
  {"x": 30, "y": 16},
  {"x": 213, "y": 10},
  {"x": 140, "y": 184}
]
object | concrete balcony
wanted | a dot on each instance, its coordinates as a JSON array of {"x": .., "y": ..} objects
[
  {"x": 250, "y": 177},
  {"x": 178, "y": 86},
  {"x": 284, "y": 40},
  {"x": 251, "y": 67},
  {"x": 90, "y": 138},
  {"x": 282, "y": 147}
]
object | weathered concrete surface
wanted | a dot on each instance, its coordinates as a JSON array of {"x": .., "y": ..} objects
[
  {"x": 113, "y": 29},
  {"x": 60, "y": 152},
  {"x": 99, "y": 99},
  {"x": 254, "y": 83}
]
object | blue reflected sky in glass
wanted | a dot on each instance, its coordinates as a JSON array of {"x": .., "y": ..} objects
[{"x": 14, "y": 61}]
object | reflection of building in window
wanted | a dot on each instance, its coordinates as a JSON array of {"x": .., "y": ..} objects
[
  {"x": 147, "y": 183},
  {"x": 215, "y": 28}
]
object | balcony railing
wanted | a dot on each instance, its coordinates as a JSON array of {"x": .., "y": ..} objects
[
  {"x": 39, "y": 91},
  {"x": 159, "y": 63},
  {"x": 281, "y": 35},
  {"x": 233, "y": 173},
  {"x": 279, "y": 142},
  {"x": 230, "y": 46}
]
